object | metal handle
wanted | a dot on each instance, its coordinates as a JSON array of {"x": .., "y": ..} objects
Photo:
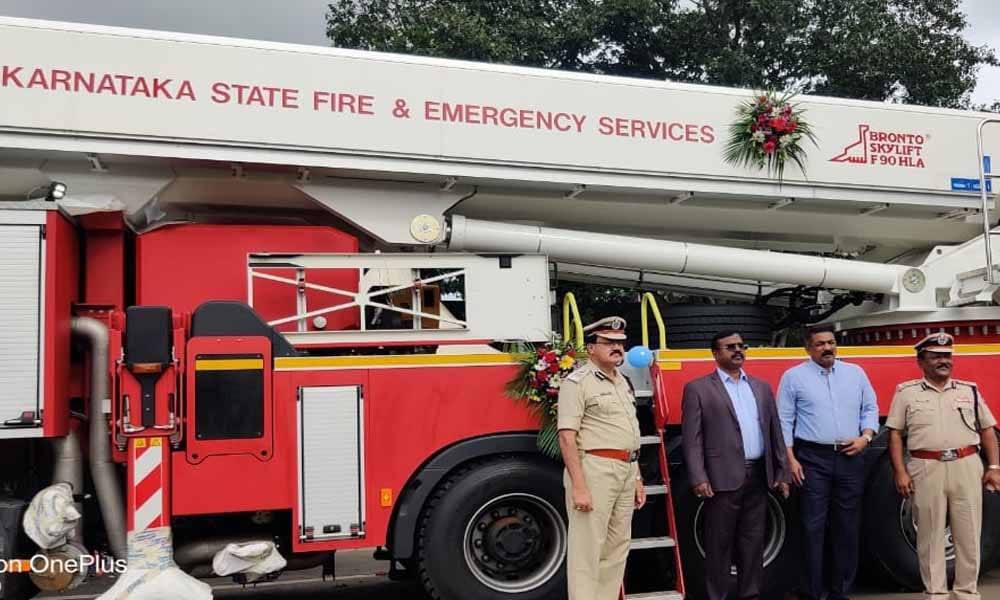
[
  {"x": 649, "y": 299},
  {"x": 983, "y": 176},
  {"x": 571, "y": 316}
]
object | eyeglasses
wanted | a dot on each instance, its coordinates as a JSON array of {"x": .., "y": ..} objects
[{"x": 735, "y": 347}]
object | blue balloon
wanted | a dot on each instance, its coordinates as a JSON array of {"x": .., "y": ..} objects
[{"x": 639, "y": 357}]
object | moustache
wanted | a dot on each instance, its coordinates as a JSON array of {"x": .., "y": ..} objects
[
  {"x": 616, "y": 352},
  {"x": 945, "y": 365},
  {"x": 828, "y": 353},
  {"x": 737, "y": 355}
]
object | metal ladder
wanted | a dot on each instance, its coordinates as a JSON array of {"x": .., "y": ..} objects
[{"x": 660, "y": 413}]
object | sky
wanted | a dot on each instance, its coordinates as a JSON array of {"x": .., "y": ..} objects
[{"x": 302, "y": 21}]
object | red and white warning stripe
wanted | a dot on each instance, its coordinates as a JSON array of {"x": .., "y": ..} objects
[{"x": 148, "y": 484}]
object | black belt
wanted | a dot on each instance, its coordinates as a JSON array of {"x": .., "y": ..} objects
[
  {"x": 836, "y": 447},
  {"x": 751, "y": 464}
]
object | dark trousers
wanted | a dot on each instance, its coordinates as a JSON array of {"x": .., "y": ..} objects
[
  {"x": 737, "y": 518},
  {"x": 831, "y": 499}
]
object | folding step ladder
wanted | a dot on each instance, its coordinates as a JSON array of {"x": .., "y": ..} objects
[{"x": 659, "y": 482}]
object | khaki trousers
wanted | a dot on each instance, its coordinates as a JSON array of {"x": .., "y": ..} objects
[
  {"x": 599, "y": 540},
  {"x": 954, "y": 491}
]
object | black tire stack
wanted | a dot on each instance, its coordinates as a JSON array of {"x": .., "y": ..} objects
[{"x": 693, "y": 325}]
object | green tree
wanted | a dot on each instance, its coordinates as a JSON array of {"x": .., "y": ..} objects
[{"x": 911, "y": 50}]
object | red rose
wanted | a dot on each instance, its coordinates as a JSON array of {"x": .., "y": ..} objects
[
  {"x": 769, "y": 146},
  {"x": 762, "y": 99},
  {"x": 554, "y": 368},
  {"x": 550, "y": 356},
  {"x": 571, "y": 353},
  {"x": 792, "y": 126},
  {"x": 552, "y": 392},
  {"x": 787, "y": 111},
  {"x": 542, "y": 375},
  {"x": 779, "y": 123},
  {"x": 541, "y": 352}
]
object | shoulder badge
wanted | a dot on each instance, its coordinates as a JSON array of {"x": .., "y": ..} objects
[
  {"x": 970, "y": 384},
  {"x": 577, "y": 375},
  {"x": 907, "y": 384}
]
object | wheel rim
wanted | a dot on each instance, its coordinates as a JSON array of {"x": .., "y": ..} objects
[
  {"x": 908, "y": 528},
  {"x": 515, "y": 543},
  {"x": 775, "y": 534}
]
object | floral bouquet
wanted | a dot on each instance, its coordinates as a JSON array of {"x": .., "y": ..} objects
[
  {"x": 767, "y": 133},
  {"x": 537, "y": 383}
]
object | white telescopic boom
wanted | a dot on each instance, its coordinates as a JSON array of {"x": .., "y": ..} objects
[{"x": 673, "y": 257}]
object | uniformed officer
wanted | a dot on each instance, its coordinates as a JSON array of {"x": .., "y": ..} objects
[
  {"x": 944, "y": 420},
  {"x": 599, "y": 439}
]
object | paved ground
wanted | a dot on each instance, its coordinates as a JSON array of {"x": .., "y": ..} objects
[{"x": 359, "y": 578}]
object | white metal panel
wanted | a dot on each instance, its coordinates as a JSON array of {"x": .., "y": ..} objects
[
  {"x": 22, "y": 217},
  {"x": 21, "y": 254},
  {"x": 331, "y": 462},
  {"x": 501, "y": 302},
  {"x": 446, "y": 110}
]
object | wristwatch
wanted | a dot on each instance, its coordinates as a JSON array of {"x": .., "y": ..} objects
[
  {"x": 994, "y": 467},
  {"x": 868, "y": 437}
]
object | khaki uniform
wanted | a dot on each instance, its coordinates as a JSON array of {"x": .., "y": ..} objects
[
  {"x": 939, "y": 420},
  {"x": 602, "y": 412}
]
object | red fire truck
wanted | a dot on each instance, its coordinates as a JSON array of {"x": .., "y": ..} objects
[{"x": 264, "y": 292}]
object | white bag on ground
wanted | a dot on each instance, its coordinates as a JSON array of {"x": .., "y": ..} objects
[
  {"x": 51, "y": 516},
  {"x": 152, "y": 573},
  {"x": 254, "y": 559}
]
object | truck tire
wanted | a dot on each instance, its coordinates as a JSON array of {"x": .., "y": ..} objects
[
  {"x": 495, "y": 530},
  {"x": 781, "y": 546},
  {"x": 693, "y": 325},
  {"x": 891, "y": 535}
]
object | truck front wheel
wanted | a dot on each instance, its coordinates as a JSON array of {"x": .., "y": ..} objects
[{"x": 495, "y": 530}]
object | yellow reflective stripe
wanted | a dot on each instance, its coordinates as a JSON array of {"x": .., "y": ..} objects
[
  {"x": 394, "y": 360},
  {"x": 229, "y": 364},
  {"x": 842, "y": 351}
]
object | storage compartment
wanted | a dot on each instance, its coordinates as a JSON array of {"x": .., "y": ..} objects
[
  {"x": 22, "y": 255},
  {"x": 331, "y": 469}
]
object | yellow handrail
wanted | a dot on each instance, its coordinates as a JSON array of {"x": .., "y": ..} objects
[
  {"x": 571, "y": 316},
  {"x": 648, "y": 299}
]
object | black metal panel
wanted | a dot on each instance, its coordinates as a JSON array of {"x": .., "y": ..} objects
[
  {"x": 148, "y": 340},
  {"x": 229, "y": 404},
  {"x": 228, "y": 317},
  {"x": 148, "y": 335}
]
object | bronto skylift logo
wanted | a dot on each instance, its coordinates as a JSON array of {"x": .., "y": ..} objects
[{"x": 886, "y": 148}]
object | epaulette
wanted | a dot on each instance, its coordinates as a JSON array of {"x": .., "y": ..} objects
[
  {"x": 907, "y": 384},
  {"x": 578, "y": 375},
  {"x": 971, "y": 384}
]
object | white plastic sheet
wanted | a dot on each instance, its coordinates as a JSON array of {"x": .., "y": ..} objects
[
  {"x": 152, "y": 573},
  {"x": 253, "y": 559},
  {"x": 51, "y": 516}
]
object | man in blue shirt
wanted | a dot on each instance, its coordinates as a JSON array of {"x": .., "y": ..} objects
[{"x": 829, "y": 415}]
